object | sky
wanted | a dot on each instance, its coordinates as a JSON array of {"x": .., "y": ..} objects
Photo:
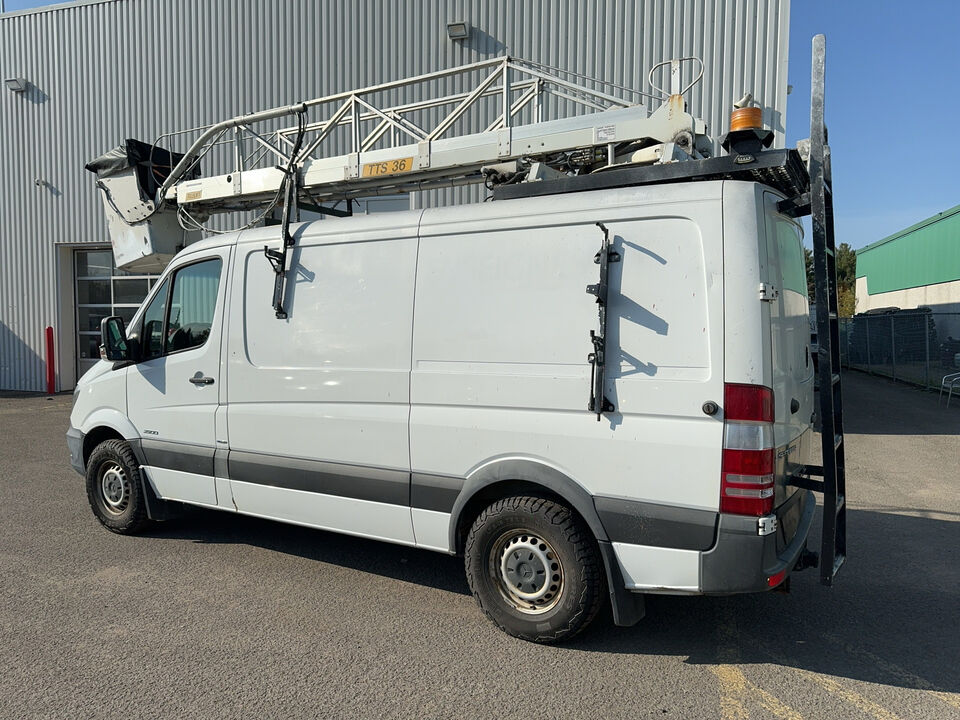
[{"x": 891, "y": 106}]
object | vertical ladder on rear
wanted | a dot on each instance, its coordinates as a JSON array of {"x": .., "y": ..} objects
[
  {"x": 818, "y": 202},
  {"x": 833, "y": 547}
]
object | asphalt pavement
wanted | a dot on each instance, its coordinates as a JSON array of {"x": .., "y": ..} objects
[{"x": 215, "y": 615}]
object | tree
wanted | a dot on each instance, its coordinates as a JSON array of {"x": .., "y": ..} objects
[{"x": 846, "y": 278}]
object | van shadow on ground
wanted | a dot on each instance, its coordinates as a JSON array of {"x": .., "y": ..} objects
[{"x": 890, "y": 619}]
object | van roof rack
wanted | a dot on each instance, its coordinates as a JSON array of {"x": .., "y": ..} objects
[{"x": 783, "y": 170}]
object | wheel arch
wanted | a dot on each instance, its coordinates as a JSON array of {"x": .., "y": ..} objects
[
  {"x": 105, "y": 424},
  {"x": 505, "y": 477}
]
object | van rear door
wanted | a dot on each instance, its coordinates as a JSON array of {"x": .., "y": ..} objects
[{"x": 783, "y": 270}]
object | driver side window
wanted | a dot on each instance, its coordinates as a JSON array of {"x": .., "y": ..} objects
[
  {"x": 180, "y": 318},
  {"x": 151, "y": 339}
]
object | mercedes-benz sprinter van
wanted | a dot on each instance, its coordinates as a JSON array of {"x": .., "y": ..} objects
[{"x": 431, "y": 383}]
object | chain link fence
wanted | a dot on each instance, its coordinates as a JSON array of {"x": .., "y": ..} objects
[{"x": 913, "y": 346}]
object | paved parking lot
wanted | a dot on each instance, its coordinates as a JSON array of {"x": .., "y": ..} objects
[{"x": 223, "y": 616}]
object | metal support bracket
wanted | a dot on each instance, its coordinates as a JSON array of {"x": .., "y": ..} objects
[
  {"x": 504, "y": 141},
  {"x": 278, "y": 258},
  {"x": 423, "y": 155},
  {"x": 597, "y": 359},
  {"x": 291, "y": 191}
]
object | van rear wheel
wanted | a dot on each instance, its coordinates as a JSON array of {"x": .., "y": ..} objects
[
  {"x": 114, "y": 488},
  {"x": 534, "y": 568}
]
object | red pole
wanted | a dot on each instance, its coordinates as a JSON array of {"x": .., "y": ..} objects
[{"x": 51, "y": 372}]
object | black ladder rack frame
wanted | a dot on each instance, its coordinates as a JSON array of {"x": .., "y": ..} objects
[{"x": 783, "y": 170}]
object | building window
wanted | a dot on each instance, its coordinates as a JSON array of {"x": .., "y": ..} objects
[{"x": 101, "y": 291}]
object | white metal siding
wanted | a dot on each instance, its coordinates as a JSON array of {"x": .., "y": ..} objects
[{"x": 104, "y": 71}]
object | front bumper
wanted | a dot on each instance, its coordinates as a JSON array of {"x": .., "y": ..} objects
[
  {"x": 75, "y": 445},
  {"x": 742, "y": 561}
]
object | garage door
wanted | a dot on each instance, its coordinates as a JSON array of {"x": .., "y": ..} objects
[{"x": 102, "y": 290}]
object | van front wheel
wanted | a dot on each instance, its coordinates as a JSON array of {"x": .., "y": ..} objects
[
  {"x": 113, "y": 488},
  {"x": 534, "y": 569}
]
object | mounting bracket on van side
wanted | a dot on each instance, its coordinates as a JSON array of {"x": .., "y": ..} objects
[
  {"x": 597, "y": 359},
  {"x": 278, "y": 258}
]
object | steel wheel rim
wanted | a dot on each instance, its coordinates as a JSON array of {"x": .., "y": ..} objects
[
  {"x": 114, "y": 488},
  {"x": 527, "y": 571}
]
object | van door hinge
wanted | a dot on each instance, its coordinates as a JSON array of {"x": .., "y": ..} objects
[
  {"x": 768, "y": 292},
  {"x": 767, "y": 525}
]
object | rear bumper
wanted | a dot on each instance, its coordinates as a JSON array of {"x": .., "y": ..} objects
[
  {"x": 743, "y": 561},
  {"x": 75, "y": 446}
]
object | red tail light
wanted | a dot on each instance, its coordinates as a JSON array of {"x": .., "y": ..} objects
[
  {"x": 747, "y": 402},
  {"x": 746, "y": 479}
]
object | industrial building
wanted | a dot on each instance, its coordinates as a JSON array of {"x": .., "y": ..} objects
[
  {"x": 918, "y": 267},
  {"x": 81, "y": 77}
]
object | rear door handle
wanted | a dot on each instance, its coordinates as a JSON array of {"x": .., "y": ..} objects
[{"x": 199, "y": 379}]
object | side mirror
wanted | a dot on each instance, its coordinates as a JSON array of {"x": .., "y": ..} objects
[{"x": 113, "y": 340}]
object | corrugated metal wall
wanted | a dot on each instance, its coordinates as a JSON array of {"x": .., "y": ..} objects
[{"x": 104, "y": 71}]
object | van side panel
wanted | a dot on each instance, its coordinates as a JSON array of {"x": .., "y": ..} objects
[
  {"x": 502, "y": 334},
  {"x": 318, "y": 402}
]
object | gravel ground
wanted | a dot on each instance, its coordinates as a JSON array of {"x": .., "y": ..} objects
[{"x": 223, "y": 616}]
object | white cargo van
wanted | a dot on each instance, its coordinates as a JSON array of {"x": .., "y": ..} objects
[{"x": 430, "y": 387}]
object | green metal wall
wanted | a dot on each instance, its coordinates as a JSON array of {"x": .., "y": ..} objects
[{"x": 924, "y": 254}]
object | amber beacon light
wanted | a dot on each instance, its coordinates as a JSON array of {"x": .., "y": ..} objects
[{"x": 747, "y": 118}]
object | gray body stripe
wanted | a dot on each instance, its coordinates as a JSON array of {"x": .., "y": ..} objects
[
  {"x": 434, "y": 492},
  {"x": 220, "y": 469},
  {"x": 641, "y": 523},
  {"x": 177, "y": 456},
  {"x": 362, "y": 483},
  {"x": 626, "y": 521}
]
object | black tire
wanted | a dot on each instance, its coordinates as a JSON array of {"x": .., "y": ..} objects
[
  {"x": 114, "y": 488},
  {"x": 511, "y": 542}
]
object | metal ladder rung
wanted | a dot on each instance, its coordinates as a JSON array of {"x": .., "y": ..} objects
[{"x": 835, "y": 378}]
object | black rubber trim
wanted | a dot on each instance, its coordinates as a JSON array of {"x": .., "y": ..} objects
[
  {"x": 137, "y": 450},
  {"x": 361, "y": 483},
  {"x": 434, "y": 492},
  {"x": 158, "y": 509},
  {"x": 628, "y": 607},
  {"x": 194, "y": 459},
  {"x": 643, "y": 523}
]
